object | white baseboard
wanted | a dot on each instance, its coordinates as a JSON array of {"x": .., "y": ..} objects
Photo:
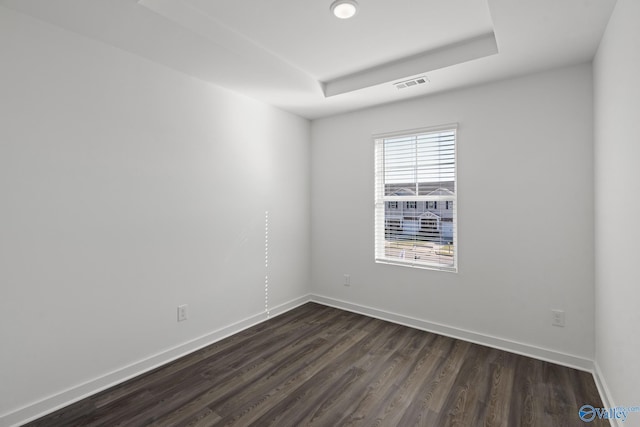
[
  {"x": 605, "y": 394},
  {"x": 547, "y": 355},
  {"x": 73, "y": 394},
  {"x": 59, "y": 400}
]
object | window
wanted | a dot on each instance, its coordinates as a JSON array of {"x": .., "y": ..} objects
[
  {"x": 392, "y": 205},
  {"x": 417, "y": 168}
]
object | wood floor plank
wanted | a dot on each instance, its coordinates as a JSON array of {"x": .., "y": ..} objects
[
  {"x": 233, "y": 389},
  {"x": 354, "y": 409},
  {"x": 446, "y": 377},
  {"x": 418, "y": 412},
  {"x": 500, "y": 391},
  {"x": 300, "y": 401},
  {"x": 396, "y": 375},
  {"x": 522, "y": 408},
  {"x": 303, "y": 370},
  {"x": 321, "y": 366},
  {"x": 464, "y": 401}
]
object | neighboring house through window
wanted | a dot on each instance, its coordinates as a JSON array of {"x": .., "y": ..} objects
[{"x": 415, "y": 215}]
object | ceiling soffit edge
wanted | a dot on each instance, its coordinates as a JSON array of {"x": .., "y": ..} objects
[{"x": 445, "y": 56}]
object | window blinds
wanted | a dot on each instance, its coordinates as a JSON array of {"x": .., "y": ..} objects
[{"x": 415, "y": 195}]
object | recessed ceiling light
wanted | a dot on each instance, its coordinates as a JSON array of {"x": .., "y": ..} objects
[{"x": 344, "y": 9}]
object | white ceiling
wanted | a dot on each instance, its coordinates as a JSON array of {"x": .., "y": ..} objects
[
  {"x": 305, "y": 34},
  {"x": 295, "y": 55}
]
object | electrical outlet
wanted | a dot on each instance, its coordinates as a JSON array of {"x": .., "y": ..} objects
[
  {"x": 557, "y": 318},
  {"x": 347, "y": 280},
  {"x": 182, "y": 312}
]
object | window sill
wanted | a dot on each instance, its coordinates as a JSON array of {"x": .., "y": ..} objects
[{"x": 417, "y": 265}]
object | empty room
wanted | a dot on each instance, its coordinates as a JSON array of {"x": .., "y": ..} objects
[{"x": 319, "y": 212}]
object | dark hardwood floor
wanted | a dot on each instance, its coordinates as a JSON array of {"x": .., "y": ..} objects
[{"x": 321, "y": 366}]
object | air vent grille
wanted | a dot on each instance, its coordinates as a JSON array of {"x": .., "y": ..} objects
[{"x": 411, "y": 82}]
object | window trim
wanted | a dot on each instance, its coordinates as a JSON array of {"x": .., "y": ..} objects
[{"x": 380, "y": 199}]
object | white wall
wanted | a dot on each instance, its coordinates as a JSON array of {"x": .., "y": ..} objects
[
  {"x": 127, "y": 189},
  {"x": 617, "y": 180},
  {"x": 525, "y": 200}
]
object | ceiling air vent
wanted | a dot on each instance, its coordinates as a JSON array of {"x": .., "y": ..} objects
[{"x": 411, "y": 82}]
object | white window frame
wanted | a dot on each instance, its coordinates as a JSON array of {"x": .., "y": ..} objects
[{"x": 382, "y": 254}]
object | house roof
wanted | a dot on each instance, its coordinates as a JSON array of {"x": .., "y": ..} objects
[
  {"x": 441, "y": 192},
  {"x": 430, "y": 215},
  {"x": 438, "y": 188},
  {"x": 403, "y": 192}
]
